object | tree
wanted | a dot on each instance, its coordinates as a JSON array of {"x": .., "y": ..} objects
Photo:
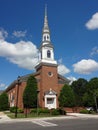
[
  {"x": 91, "y": 93},
  {"x": 88, "y": 100},
  {"x": 30, "y": 93},
  {"x": 66, "y": 98},
  {"x": 4, "y": 105},
  {"x": 79, "y": 88}
]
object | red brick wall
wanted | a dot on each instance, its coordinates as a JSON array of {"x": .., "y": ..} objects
[
  {"x": 73, "y": 109},
  {"x": 20, "y": 96},
  {"x": 48, "y": 82}
]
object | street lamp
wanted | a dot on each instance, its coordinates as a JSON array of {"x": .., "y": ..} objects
[
  {"x": 95, "y": 102},
  {"x": 37, "y": 101},
  {"x": 18, "y": 82}
]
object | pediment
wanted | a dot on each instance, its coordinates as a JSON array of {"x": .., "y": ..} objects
[{"x": 50, "y": 92}]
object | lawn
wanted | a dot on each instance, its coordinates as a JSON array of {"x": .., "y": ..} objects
[{"x": 31, "y": 115}]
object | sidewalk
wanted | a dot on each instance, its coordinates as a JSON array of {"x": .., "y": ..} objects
[
  {"x": 5, "y": 119},
  {"x": 83, "y": 115}
]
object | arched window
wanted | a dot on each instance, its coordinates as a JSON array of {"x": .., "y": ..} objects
[
  {"x": 44, "y": 38},
  {"x": 41, "y": 55},
  {"x": 48, "y": 54},
  {"x": 47, "y": 37}
]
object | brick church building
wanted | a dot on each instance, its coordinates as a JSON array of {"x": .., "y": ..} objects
[{"x": 48, "y": 80}]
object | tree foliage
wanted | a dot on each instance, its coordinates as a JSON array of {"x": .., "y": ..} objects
[
  {"x": 91, "y": 92},
  {"x": 4, "y": 105},
  {"x": 66, "y": 98},
  {"x": 79, "y": 88},
  {"x": 30, "y": 93}
]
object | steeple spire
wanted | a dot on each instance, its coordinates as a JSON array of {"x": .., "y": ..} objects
[
  {"x": 46, "y": 27},
  {"x": 46, "y": 10},
  {"x": 46, "y": 50},
  {"x": 46, "y": 31}
]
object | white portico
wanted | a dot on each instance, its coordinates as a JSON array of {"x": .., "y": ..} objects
[{"x": 50, "y": 99}]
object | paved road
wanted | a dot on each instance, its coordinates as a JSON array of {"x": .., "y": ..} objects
[{"x": 64, "y": 124}]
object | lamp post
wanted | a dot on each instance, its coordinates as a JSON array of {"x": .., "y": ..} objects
[
  {"x": 37, "y": 101},
  {"x": 18, "y": 82},
  {"x": 95, "y": 102}
]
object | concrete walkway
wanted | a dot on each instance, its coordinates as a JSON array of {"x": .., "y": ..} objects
[
  {"x": 83, "y": 115},
  {"x": 5, "y": 119}
]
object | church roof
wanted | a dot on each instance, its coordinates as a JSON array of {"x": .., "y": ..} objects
[
  {"x": 22, "y": 79},
  {"x": 65, "y": 80},
  {"x": 25, "y": 78}
]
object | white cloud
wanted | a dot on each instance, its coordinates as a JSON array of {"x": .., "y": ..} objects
[
  {"x": 93, "y": 22},
  {"x": 71, "y": 78},
  {"x": 60, "y": 61},
  {"x": 19, "y": 33},
  {"x": 62, "y": 69},
  {"x": 85, "y": 66},
  {"x": 24, "y": 54},
  {"x": 2, "y": 86},
  {"x": 3, "y": 34},
  {"x": 94, "y": 51}
]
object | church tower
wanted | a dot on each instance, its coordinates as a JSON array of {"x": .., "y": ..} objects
[
  {"x": 46, "y": 51},
  {"x": 47, "y": 67}
]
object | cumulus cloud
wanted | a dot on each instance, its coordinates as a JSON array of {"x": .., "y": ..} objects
[
  {"x": 22, "y": 53},
  {"x": 19, "y": 33},
  {"x": 2, "y": 86},
  {"x": 85, "y": 66},
  {"x": 62, "y": 69},
  {"x": 3, "y": 34},
  {"x": 94, "y": 51},
  {"x": 71, "y": 78},
  {"x": 93, "y": 22}
]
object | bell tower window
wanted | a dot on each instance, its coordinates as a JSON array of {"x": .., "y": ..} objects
[
  {"x": 48, "y": 54},
  {"x": 44, "y": 38},
  {"x": 41, "y": 55}
]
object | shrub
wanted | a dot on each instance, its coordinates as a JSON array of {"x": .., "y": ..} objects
[
  {"x": 91, "y": 112},
  {"x": 61, "y": 111},
  {"x": 55, "y": 112},
  {"x": 43, "y": 111},
  {"x": 19, "y": 110},
  {"x": 40, "y": 111},
  {"x": 84, "y": 111},
  {"x": 33, "y": 111},
  {"x": 13, "y": 109}
]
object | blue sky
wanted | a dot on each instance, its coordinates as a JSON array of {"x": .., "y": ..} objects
[{"x": 74, "y": 34}]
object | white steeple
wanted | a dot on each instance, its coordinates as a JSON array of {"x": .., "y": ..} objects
[
  {"x": 46, "y": 31},
  {"x": 46, "y": 51}
]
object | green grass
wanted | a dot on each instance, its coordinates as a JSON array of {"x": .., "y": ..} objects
[{"x": 22, "y": 115}]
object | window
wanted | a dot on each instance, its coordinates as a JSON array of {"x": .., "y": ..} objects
[
  {"x": 48, "y": 54},
  {"x": 41, "y": 55},
  {"x": 44, "y": 38},
  {"x": 50, "y": 100},
  {"x": 50, "y": 74},
  {"x": 47, "y": 37}
]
